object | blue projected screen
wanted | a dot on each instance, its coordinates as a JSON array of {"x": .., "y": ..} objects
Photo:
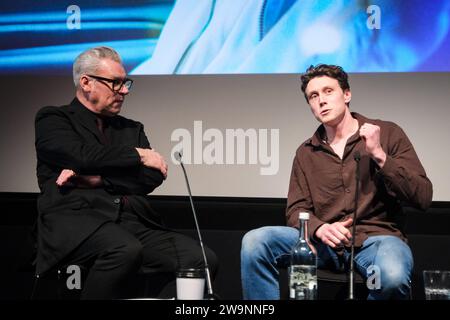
[{"x": 227, "y": 36}]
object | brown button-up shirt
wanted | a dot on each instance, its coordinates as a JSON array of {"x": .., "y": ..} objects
[{"x": 324, "y": 185}]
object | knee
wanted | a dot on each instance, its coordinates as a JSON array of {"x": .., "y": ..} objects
[
  {"x": 256, "y": 242},
  {"x": 393, "y": 279},
  {"x": 195, "y": 259},
  {"x": 396, "y": 263}
]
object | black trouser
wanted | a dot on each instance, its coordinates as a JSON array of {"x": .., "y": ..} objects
[{"x": 116, "y": 252}]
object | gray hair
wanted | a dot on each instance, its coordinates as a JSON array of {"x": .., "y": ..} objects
[{"x": 88, "y": 61}]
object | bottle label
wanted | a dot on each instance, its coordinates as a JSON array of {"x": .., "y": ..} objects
[{"x": 303, "y": 282}]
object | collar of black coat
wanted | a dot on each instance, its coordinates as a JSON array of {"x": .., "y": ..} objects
[
  {"x": 319, "y": 137},
  {"x": 88, "y": 119},
  {"x": 77, "y": 107}
]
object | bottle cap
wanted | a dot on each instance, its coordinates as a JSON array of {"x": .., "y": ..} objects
[{"x": 304, "y": 216}]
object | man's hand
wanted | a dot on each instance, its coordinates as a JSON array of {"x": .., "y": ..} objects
[
  {"x": 68, "y": 178},
  {"x": 370, "y": 133},
  {"x": 152, "y": 159},
  {"x": 64, "y": 178},
  {"x": 335, "y": 234}
]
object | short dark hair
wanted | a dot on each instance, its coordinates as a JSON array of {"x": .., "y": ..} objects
[{"x": 320, "y": 70}]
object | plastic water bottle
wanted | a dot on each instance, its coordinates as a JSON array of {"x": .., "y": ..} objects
[{"x": 303, "y": 265}]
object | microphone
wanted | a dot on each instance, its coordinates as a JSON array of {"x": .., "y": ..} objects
[
  {"x": 211, "y": 296},
  {"x": 351, "y": 277}
]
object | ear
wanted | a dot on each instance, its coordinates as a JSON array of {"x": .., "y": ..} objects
[
  {"x": 85, "y": 84},
  {"x": 347, "y": 96}
]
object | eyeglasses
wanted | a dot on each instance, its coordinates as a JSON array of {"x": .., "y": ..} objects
[{"x": 116, "y": 84}]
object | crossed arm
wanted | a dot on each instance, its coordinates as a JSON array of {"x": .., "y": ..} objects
[
  {"x": 149, "y": 158},
  {"x": 120, "y": 168}
]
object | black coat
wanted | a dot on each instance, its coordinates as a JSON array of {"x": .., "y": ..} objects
[{"x": 67, "y": 138}]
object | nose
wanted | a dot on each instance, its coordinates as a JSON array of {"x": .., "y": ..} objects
[
  {"x": 124, "y": 91},
  {"x": 322, "y": 100}
]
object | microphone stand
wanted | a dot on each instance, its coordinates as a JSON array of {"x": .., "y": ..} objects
[
  {"x": 351, "y": 282},
  {"x": 211, "y": 295}
]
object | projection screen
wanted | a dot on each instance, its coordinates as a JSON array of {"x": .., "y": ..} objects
[{"x": 220, "y": 80}]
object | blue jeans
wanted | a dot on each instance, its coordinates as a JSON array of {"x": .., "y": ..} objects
[{"x": 265, "y": 249}]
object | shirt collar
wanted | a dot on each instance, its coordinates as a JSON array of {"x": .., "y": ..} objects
[{"x": 318, "y": 137}]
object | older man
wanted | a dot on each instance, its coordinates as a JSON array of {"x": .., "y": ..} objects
[{"x": 94, "y": 170}]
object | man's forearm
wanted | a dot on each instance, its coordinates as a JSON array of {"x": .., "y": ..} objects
[{"x": 87, "y": 182}]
